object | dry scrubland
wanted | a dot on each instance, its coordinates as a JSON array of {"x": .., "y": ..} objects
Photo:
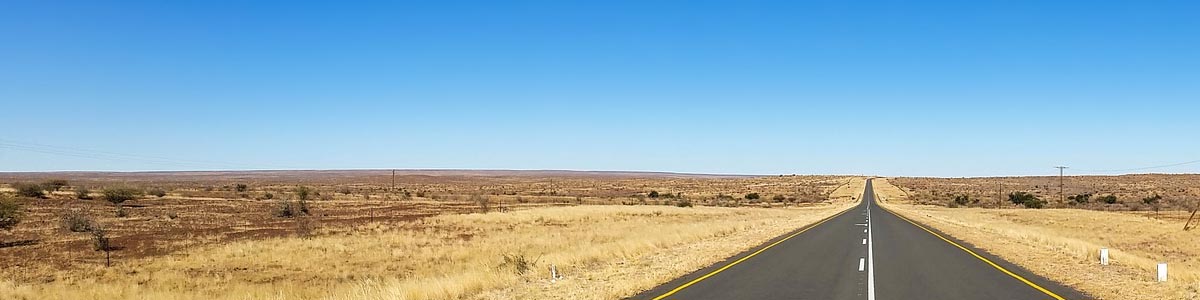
[
  {"x": 1063, "y": 244},
  {"x": 1128, "y": 192},
  {"x": 438, "y": 235}
]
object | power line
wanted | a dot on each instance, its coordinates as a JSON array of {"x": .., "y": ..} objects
[{"x": 1142, "y": 168}]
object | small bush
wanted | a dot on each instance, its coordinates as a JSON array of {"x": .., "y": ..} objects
[
  {"x": 1152, "y": 199},
  {"x": 1026, "y": 199},
  {"x": 55, "y": 184},
  {"x": 962, "y": 200},
  {"x": 652, "y": 194},
  {"x": 303, "y": 192},
  {"x": 1080, "y": 199},
  {"x": 683, "y": 203},
  {"x": 752, "y": 196},
  {"x": 118, "y": 195},
  {"x": 1108, "y": 199},
  {"x": 158, "y": 193},
  {"x": 101, "y": 242},
  {"x": 779, "y": 198},
  {"x": 83, "y": 193},
  {"x": 305, "y": 227},
  {"x": 10, "y": 212},
  {"x": 518, "y": 263},
  {"x": 77, "y": 221},
  {"x": 30, "y": 190},
  {"x": 289, "y": 209},
  {"x": 269, "y": 196},
  {"x": 482, "y": 201},
  {"x": 241, "y": 187}
]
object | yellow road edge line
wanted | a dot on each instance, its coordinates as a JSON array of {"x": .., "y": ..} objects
[
  {"x": 989, "y": 262},
  {"x": 710, "y": 274}
]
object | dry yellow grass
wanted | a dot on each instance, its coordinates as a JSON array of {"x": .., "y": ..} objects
[
  {"x": 605, "y": 252},
  {"x": 1063, "y": 245},
  {"x": 849, "y": 191}
]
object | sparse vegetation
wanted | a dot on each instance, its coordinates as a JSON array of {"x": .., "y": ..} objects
[
  {"x": 482, "y": 201},
  {"x": 291, "y": 209},
  {"x": 1080, "y": 199},
  {"x": 101, "y": 242},
  {"x": 157, "y": 192},
  {"x": 752, "y": 196},
  {"x": 10, "y": 212},
  {"x": 118, "y": 195},
  {"x": 202, "y": 218},
  {"x": 54, "y": 184},
  {"x": 1026, "y": 199},
  {"x": 83, "y": 193},
  {"x": 30, "y": 190},
  {"x": 303, "y": 192},
  {"x": 1108, "y": 199},
  {"x": 75, "y": 220}
]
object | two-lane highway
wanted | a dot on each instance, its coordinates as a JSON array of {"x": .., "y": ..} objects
[{"x": 865, "y": 252}]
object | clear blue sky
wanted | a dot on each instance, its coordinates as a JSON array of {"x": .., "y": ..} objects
[{"x": 941, "y": 88}]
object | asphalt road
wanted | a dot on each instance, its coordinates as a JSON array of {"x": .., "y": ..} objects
[{"x": 863, "y": 253}]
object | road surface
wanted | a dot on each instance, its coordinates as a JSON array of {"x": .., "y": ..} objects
[{"x": 865, "y": 252}]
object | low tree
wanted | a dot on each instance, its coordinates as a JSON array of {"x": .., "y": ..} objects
[
  {"x": 653, "y": 194},
  {"x": 752, "y": 196},
  {"x": 241, "y": 187},
  {"x": 30, "y": 190},
  {"x": 118, "y": 195}
]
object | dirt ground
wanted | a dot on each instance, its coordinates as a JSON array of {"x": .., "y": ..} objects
[{"x": 207, "y": 208}]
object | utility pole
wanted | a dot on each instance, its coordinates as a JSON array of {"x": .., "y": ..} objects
[
  {"x": 393, "y": 180},
  {"x": 1061, "y": 197}
]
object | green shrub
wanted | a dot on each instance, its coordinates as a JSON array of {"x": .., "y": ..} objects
[
  {"x": 101, "y": 242},
  {"x": 1080, "y": 199},
  {"x": 962, "y": 200},
  {"x": 77, "y": 221},
  {"x": 303, "y": 192},
  {"x": 30, "y": 190},
  {"x": 289, "y": 209},
  {"x": 158, "y": 193},
  {"x": 1026, "y": 199},
  {"x": 83, "y": 193},
  {"x": 241, "y": 187},
  {"x": 1109, "y": 199},
  {"x": 54, "y": 184},
  {"x": 653, "y": 194},
  {"x": 1152, "y": 199},
  {"x": 752, "y": 196},
  {"x": 10, "y": 212}
]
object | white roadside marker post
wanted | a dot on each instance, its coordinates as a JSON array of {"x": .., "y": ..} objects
[
  {"x": 1103, "y": 256},
  {"x": 1162, "y": 272}
]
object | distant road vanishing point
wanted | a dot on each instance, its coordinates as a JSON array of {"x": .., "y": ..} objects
[{"x": 865, "y": 252}]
